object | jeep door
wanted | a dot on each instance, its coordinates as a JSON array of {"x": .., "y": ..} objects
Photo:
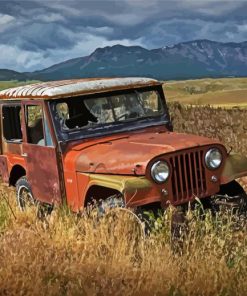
[{"x": 40, "y": 152}]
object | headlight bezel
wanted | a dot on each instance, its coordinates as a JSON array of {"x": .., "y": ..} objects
[
  {"x": 153, "y": 172},
  {"x": 208, "y": 162}
]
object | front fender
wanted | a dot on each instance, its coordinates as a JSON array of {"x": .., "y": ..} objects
[
  {"x": 137, "y": 190},
  {"x": 235, "y": 167},
  {"x": 121, "y": 183}
]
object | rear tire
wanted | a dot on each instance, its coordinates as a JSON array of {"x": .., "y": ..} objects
[{"x": 24, "y": 195}]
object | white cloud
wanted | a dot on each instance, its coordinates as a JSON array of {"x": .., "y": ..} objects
[
  {"x": 17, "y": 59},
  {"x": 24, "y": 60},
  {"x": 6, "y": 19}
]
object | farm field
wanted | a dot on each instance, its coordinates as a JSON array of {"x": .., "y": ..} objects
[
  {"x": 225, "y": 92},
  {"x": 66, "y": 254},
  {"x": 13, "y": 83}
]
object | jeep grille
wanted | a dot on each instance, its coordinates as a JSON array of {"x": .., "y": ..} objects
[{"x": 188, "y": 177}]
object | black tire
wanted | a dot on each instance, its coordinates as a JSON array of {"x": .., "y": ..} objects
[
  {"x": 24, "y": 195},
  {"x": 231, "y": 196},
  {"x": 232, "y": 189},
  {"x": 23, "y": 187}
]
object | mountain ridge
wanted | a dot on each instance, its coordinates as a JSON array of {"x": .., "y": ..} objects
[{"x": 186, "y": 60}]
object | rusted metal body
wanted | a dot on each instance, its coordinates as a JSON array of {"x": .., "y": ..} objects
[{"x": 119, "y": 162}]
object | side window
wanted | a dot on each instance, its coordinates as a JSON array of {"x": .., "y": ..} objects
[
  {"x": 37, "y": 125},
  {"x": 34, "y": 122},
  {"x": 12, "y": 123}
]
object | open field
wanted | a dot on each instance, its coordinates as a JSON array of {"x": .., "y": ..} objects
[
  {"x": 227, "y": 92},
  {"x": 70, "y": 255},
  {"x": 14, "y": 83}
]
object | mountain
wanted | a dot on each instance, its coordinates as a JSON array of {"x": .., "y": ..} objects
[
  {"x": 194, "y": 59},
  {"x": 6, "y": 74}
]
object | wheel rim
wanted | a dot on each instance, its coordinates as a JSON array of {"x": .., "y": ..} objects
[{"x": 25, "y": 198}]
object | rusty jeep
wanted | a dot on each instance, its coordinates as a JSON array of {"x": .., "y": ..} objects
[{"x": 76, "y": 140}]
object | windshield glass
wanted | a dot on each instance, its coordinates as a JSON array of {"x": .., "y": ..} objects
[{"x": 89, "y": 115}]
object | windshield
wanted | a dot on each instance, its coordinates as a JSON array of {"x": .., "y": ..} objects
[{"x": 84, "y": 116}]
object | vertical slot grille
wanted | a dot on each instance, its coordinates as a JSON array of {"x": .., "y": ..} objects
[{"x": 188, "y": 178}]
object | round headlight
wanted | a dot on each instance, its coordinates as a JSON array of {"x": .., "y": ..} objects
[
  {"x": 160, "y": 171},
  {"x": 213, "y": 158}
]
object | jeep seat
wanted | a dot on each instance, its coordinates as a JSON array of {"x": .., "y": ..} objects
[{"x": 35, "y": 131}]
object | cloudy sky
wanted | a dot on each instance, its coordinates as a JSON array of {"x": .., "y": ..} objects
[{"x": 35, "y": 34}]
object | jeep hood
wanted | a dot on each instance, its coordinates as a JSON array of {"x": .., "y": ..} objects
[{"x": 131, "y": 154}]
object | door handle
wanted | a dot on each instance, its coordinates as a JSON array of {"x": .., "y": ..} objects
[{"x": 24, "y": 155}]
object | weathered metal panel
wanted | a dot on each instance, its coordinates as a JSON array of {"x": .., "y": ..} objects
[
  {"x": 4, "y": 168},
  {"x": 191, "y": 181},
  {"x": 42, "y": 172},
  {"x": 136, "y": 190},
  {"x": 130, "y": 153},
  {"x": 42, "y": 166},
  {"x": 12, "y": 148},
  {"x": 235, "y": 167}
]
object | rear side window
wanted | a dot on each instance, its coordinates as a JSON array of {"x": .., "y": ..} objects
[
  {"x": 35, "y": 131},
  {"x": 38, "y": 131},
  {"x": 12, "y": 123}
]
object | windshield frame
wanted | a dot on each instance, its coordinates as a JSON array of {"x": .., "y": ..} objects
[{"x": 114, "y": 127}]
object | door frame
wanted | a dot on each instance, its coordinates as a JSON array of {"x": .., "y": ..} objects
[{"x": 46, "y": 117}]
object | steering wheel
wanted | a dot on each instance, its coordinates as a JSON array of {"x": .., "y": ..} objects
[
  {"x": 128, "y": 115},
  {"x": 121, "y": 116}
]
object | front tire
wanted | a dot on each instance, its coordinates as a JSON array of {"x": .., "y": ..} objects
[{"x": 231, "y": 196}]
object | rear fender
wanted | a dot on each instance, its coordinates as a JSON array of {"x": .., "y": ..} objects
[{"x": 235, "y": 167}]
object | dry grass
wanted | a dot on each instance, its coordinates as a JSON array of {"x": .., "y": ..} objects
[
  {"x": 15, "y": 83},
  {"x": 227, "y": 92},
  {"x": 67, "y": 255},
  {"x": 227, "y": 125}
]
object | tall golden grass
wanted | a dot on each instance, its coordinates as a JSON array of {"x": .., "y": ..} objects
[
  {"x": 70, "y": 255},
  {"x": 227, "y": 125}
]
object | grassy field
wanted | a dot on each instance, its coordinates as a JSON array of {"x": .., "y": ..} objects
[
  {"x": 14, "y": 83},
  {"x": 227, "y": 92},
  {"x": 69, "y": 255}
]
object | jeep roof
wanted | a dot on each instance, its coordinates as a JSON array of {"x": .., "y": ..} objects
[{"x": 75, "y": 87}]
